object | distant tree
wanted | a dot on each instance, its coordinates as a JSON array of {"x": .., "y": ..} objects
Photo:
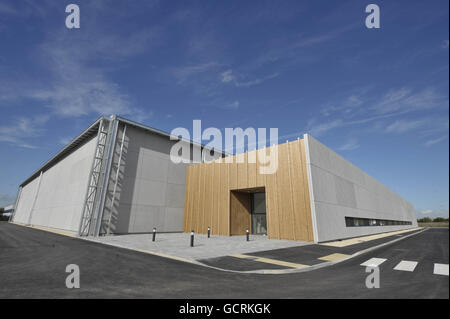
[
  {"x": 425, "y": 220},
  {"x": 2, "y": 210},
  {"x": 440, "y": 220}
]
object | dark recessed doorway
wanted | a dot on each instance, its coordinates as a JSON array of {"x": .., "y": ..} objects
[{"x": 248, "y": 211}]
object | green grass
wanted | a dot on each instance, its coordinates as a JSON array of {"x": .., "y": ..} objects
[{"x": 434, "y": 224}]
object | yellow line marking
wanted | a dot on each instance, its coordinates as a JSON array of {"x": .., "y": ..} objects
[
  {"x": 160, "y": 254},
  {"x": 281, "y": 263},
  {"x": 243, "y": 256},
  {"x": 334, "y": 257},
  {"x": 353, "y": 241},
  {"x": 271, "y": 261}
]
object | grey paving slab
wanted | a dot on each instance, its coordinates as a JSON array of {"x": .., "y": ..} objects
[{"x": 178, "y": 244}]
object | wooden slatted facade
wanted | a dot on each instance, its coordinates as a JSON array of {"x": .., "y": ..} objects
[{"x": 215, "y": 194}]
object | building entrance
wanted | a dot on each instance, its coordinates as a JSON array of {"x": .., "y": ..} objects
[
  {"x": 258, "y": 212},
  {"x": 248, "y": 211}
]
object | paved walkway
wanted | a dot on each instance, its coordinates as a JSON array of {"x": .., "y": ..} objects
[
  {"x": 259, "y": 255},
  {"x": 178, "y": 244}
]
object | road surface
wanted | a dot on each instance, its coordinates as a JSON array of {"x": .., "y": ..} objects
[{"x": 33, "y": 264}]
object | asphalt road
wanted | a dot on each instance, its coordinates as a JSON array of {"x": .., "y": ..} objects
[
  {"x": 305, "y": 255},
  {"x": 33, "y": 263}
]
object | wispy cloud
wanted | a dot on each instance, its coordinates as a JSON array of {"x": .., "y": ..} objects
[
  {"x": 232, "y": 106},
  {"x": 257, "y": 80},
  {"x": 435, "y": 140},
  {"x": 73, "y": 87},
  {"x": 405, "y": 100},
  {"x": 22, "y": 129},
  {"x": 351, "y": 144},
  {"x": 346, "y": 106},
  {"x": 229, "y": 76},
  {"x": 65, "y": 140},
  {"x": 361, "y": 109},
  {"x": 402, "y": 126},
  {"x": 318, "y": 129},
  {"x": 182, "y": 74}
]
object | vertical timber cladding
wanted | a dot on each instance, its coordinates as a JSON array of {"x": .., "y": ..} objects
[{"x": 212, "y": 188}]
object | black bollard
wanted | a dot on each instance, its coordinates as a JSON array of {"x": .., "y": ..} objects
[
  {"x": 154, "y": 234},
  {"x": 248, "y": 235},
  {"x": 192, "y": 238},
  {"x": 209, "y": 232}
]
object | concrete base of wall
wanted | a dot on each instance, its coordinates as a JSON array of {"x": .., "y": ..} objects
[{"x": 49, "y": 229}]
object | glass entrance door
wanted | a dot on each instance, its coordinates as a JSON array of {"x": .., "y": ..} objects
[{"x": 259, "y": 222}]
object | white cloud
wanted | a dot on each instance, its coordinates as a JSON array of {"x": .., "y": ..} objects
[
  {"x": 435, "y": 140},
  {"x": 65, "y": 140},
  {"x": 184, "y": 73},
  {"x": 29, "y": 146},
  {"x": 360, "y": 110},
  {"x": 227, "y": 76},
  {"x": 354, "y": 100},
  {"x": 22, "y": 129},
  {"x": 352, "y": 144},
  {"x": 72, "y": 86},
  {"x": 318, "y": 129},
  {"x": 233, "y": 106},
  {"x": 346, "y": 106},
  {"x": 404, "y": 100},
  {"x": 402, "y": 126},
  {"x": 256, "y": 81}
]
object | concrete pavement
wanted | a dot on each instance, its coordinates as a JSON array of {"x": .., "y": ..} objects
[{"x": 178, "y": 244}]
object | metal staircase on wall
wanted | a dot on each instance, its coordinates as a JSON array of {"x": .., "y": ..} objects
[{"x": 93, "y": 204}]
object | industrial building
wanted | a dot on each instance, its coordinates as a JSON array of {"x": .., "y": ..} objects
[
  {"x": 117, "y": 177},
  {"x": 315, "y": 195},
  {"x": 114, "y": 178}
]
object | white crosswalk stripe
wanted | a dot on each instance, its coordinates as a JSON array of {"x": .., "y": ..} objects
[
  {"x": 440, "y": 269},
  {"x": 373, "y": 262},
  {"x": 406, "y": 265}
]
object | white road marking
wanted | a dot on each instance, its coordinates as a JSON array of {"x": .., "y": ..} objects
[
  {"x": 406, "y": 265},
  {"x": 440, "y": 269},
  {"x": 373, "y": 262}
]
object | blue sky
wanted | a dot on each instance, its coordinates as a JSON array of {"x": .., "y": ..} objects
[{"x": 379, "y": 97}]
